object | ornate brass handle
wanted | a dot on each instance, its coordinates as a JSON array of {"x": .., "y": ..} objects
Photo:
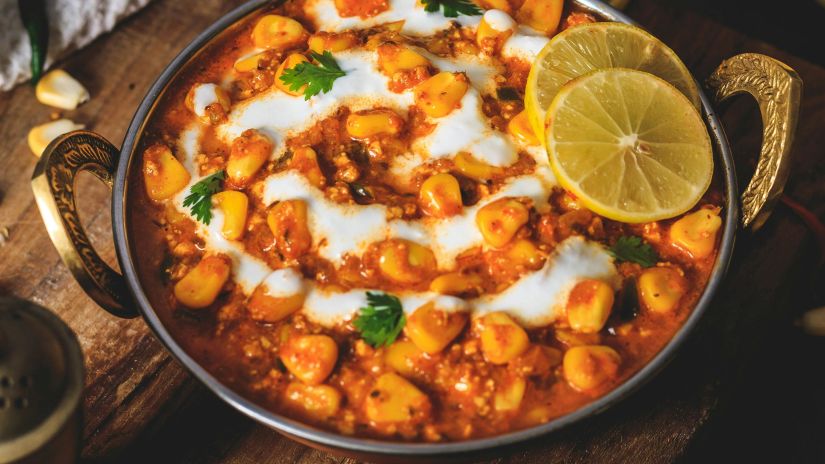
[
  {"x": 53, "y": 185},
  {"x": 778, "y": 90}
]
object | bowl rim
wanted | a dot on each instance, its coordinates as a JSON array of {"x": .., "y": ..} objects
[{"x": 334, "y": 440}]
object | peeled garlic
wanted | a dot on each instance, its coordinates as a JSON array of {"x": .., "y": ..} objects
[
  {"x": 41, "y": 136},
  {"x": 248, "y": 63},
  {"x": 59, "y": 89},
  {"x": 813, "y": 322}
]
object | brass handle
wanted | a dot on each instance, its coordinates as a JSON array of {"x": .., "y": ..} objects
[
  {"x": 53, "y": 184},
  {"x": 778, "y": 90}
]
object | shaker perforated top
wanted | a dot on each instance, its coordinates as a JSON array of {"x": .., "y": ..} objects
[{"x": 41, "y": 381}]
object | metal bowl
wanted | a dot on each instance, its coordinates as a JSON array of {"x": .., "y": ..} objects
[{"x": 776, "y": 87}]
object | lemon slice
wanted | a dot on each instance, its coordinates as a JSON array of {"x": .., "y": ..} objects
[
  {"x": 629, "y": 145},
  {"x": 588, "y": 47}
]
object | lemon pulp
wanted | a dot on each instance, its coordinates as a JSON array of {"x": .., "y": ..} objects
[
  {"x": 631, "y": 146},
  {"x": 588, "y": 47}
]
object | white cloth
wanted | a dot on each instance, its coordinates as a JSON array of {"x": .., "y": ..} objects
[{"x": 72, "y": 25}]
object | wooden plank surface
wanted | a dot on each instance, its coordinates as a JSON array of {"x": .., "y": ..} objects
[{"x": 141, "y": 406}]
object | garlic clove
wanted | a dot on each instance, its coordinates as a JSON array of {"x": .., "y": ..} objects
[
  {"x": 813, "y": 322},
  {"x": 41, "y": 136},
  {"x": 59, "y": 89}
]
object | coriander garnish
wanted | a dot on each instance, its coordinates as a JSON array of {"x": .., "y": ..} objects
[
  {"x": 200, "y": 196},
  {"x": 452, "y": 8},
  {"x": 632, "y": 249},
  {"x": 381, "y": 320},
  {"x": 316, "y": 77}
]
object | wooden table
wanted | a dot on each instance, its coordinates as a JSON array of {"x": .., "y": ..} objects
[{"x": 744, "y": 387}]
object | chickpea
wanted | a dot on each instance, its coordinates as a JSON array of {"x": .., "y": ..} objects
[
  {"x": 290, "y": 62},
  {"x": 661, "y": 288},
  {"x": 163, "y": 174},
  {"x": 361, "y": 8},
  {"x": 394, "y": 58},
  {"x": 495, "y": 28},
  {"x": 502, "y": 340},
  {"x": 305, "y": 161},
  {"x": 405, "y": 262},
  {"x": 524, "y": 253},
  {"x": 541, "y": 15},
  {"x": 370, "y": 123},
  {"x": 201, "y": 286},
  {"x": 281, "y": 294},
  {"x": 402, "y": 356},
  {"x": 508, "y": 397},
  {"x": 247, "y": 156},
  {"x": 288, "y": 222},
  {"x": 696, "y": 232},
  {"x": 395, "y": 400},
  {"x": 535, "y": 416},
  {"x": 457, "y": 284},
  {"x": 316, "y": 401},
  {"x": 589, "y": 305},
  {"x": 332, "y": 42},
  {"x": 440, "y": 196},
  {"x": 209, "y": 102},
  {"x": 278, "y": 33},
  {"x": 234, "y": 205},
  {"x": 590, "y": 366},
  {"x": 519, "y": 127},
  {"x": 310, "y": 358},
  {"x": 499, "y": 220},
  {"x": 503, "y": 5},
  {"x": 571, "y": 338},
  {"x": 251, "y": 62},
  {"x": 265, "y": 308},
  {"x": 432, "y": 329},
  {"x": 471, "y": 167},
  {"x": 439, "y": 95}
]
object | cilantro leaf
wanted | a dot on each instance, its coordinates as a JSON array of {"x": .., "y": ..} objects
[
  {"x": 632, "y": 249},
  {"x": 381, "y": 320},
  {"x": 200, "y": 196},
  {"x": 316, "y": 77},
  {"x": 452, "y": 8}
]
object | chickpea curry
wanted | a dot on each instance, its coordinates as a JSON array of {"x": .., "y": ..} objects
[{"x": 356, "y": 225}]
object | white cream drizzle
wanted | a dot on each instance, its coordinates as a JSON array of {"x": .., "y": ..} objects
[
  {"x": 247, "y": 270},
  {"x": 525, "y": 44},
  {"x": 341, "y": 229},
  {"x": 480, "y": 69},
  {"x": 284, "y": 283},
  {"x": 203, "y": 95},
  {"x": 536, "y": 299},
  {"x": 280, "y": 115},
  {"x": 499, "y": 21},
  {"x": 417, "y": 21},
  {"x": 467, "y": 129},
  {"x": 332, "y": 308}
]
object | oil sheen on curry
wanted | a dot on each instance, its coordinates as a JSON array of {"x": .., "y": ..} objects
[{"x": 356, "y": 225}]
